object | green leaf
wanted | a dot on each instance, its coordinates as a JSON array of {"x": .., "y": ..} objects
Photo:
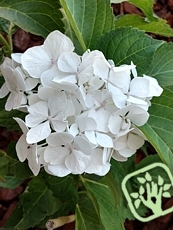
[
  {"x": 119, "y": 170},
  {"x": 39, "y": 17},
  {"x": 146, "y": 6},
  {"x": 11, "y": 166},
  {"x": 64, "y": 189},
  {"x": 88, "y": 20},
  {"x": 147, "y": 161},
  {"x": 128, "y": 44},
  {"x": 86, "y": 215},
  {"x": 117, "y": 1},
  {"x": 108, "y": 215},
  {"x": 10, "y": 182},
  {"x": 14, "y": 219},
  {"x": 159, "y": 27},
  {"x": 37, "y": 202},
  {"x": 158, "y": 129},
  {"x": 4, "y": 161},
  {"x": 6, "y": 117},
  {"x": 114, "y": 187},
  {"x": 6, "y": 27},
  {"x": 161, "y": 66}
]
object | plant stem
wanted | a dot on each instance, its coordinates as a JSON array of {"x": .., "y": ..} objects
[
  {"x": 73, "y": 24},
  {"x": 60, "y": 221},
  {"x": 10, "y": 42},
  {"x": 7, "y": 46}
]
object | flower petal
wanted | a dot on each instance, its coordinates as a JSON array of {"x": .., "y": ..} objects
[
  {"x": 33, "y": 161},
  {"x": 86, "y": 124},
  {"x": 33, "y": 120},
  {"x": 57, "y": 43},
  {"x": 77, "y": 162},
  {"x": 90, "y": 135},
  {"x": 120, "y": 80},
  {"x": 56, "y": 155},
  {"x": 4, "y": 91},
  {"x": 120, "y": 143},
  {"x": 31, "y": 83},
  {"x": 69, "y": 62},
  {"x": 101, "y": 68},
  {"x": 22, "y": 124},
  {"x": 102, "y": 118},
  {"x": 118, "y": 157},
  {"x": 38, "y": 108},
  {"x": 114, "y": 124},
  {"x": 104, "y": 140},
  {"x": 83, "y": 145},
  {"x": 154, "y": 88},
  {"x": 127, "y": 152},
  {"x": 58, "y": 125},
  {"x": 57, "y": 170},
  {"x": 58, "y": 139},
  {"x": 74, "y": 129},
  {"x": 139, "y": 87},
  {"x": 38, "y": 133},
  {"x": 35, "y": 61},
  {"x": 22, "y": 148},
  {"x": 137, "y": 115},
  {"x": 118, "y": 97},
  {"x": 57, "y": 103},
  {"x": 14, "y": 100},
  {"x": 96, "y": 166},
  {"x": 134, "y": 141}
]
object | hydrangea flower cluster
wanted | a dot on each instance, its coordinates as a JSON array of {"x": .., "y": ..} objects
[{"x": 81, "y": 111}]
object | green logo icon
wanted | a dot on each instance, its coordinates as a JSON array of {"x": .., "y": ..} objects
[{"x": 152, "y": 183}]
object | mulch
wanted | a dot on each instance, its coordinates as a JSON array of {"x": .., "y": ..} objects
[{"x": 21, "y": 42}]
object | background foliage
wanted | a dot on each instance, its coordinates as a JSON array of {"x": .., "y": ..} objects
[{"x": 99, "y": 203}]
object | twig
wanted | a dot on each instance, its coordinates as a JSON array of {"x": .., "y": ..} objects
[{"x": 60, "y": 221}]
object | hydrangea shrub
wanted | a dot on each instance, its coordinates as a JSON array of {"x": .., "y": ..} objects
[{"x": 85, "y": 101}]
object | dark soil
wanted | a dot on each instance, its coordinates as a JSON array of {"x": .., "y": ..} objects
[{"x": 21, "y": 42}]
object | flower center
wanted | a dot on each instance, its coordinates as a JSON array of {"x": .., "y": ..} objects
[{"x": 53, "y": 61}]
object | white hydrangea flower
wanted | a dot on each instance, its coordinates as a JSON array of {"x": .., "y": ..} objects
[
  {"x": 116, "y": 156},
  {"x": 124, "y": 90},
  {"x": 81, "y": 68},
  {"x": 100, "y": 162},
  {"x": 73, "y": 95},
  {"x": 41, "y": 61},
  {"x": 120, "y": 121},
  {"x": 66, "y": 154},
  {"x": 45, "y": 113},
  {"x": 83, "y": 108},
  {"x": 88, "y": 89},
  {"x": 14, "y": 84},
  {"x": 127, "y": 144},
  {"x": 154, "y": 87},
  {"x": 25, "y": 150}
]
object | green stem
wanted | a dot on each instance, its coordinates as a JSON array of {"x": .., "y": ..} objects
[
  {"x": 7, "y": 46},
  {"x": 73, "y": 24},
  {"x": 10, "y": 42}
]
